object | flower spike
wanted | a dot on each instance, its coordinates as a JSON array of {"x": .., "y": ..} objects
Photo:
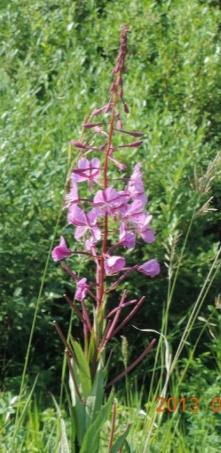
[{"x": 111, "y": 215}]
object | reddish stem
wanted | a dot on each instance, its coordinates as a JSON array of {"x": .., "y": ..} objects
[
  {"x": 110, "y": 330},
  {"x": 112, "y": 312},
  {"x": 113, "y": 423},
  {"x": 133, "y": 364},
  {"x": 63, "y": 339},
  {"x": 130, "y": 316},
  {"x": 74, "y": 308},
  {"x": 86, "y": 318},
  {"x": 101, "y": 273},
  {"x": 122, "y": 277},
  {"x": 74, "y": 276}
]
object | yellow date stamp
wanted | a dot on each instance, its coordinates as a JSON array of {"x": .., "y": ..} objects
[{"x": 191, "y": 404}]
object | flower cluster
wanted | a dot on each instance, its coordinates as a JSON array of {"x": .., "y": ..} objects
[
  {"x": 127, "y": 207},
  {"x": 123, "y": 207}
]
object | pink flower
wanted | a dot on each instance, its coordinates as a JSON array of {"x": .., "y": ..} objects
[
  {"x": 90, "y": 244},
  {"x": 135, "y": 213},
  {"x": 61, "y": 251},
  {"x": 147, "y": 234},
  {"x": 99, "y": 130},
  {"x": 127, "y": 238},
  {"x": 135, "y": 186},
  {"x": 109, "y": 200},
  {"x": 87, "y": 170},
  {"x": 72, "y": 196},
  {"x": 114, "y": 264},
  {"x": 144, "y": 230},
  {"x": 150, "y": 268},
  {"x": 81, "y": 290},
  {"x": 84, "y": 222}
]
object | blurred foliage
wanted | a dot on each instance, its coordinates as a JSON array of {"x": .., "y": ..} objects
[{"x": 56, "y": 61}]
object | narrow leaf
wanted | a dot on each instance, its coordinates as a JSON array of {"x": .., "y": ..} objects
[
  {"x": 120, "y": 441},
  {"x": 92, "y": 438},
  {"x": 63, "y": 443},
  {"x": 82, "y": 369}
]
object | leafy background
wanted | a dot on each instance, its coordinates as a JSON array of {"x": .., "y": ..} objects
[{"x": 56, "y": 62}]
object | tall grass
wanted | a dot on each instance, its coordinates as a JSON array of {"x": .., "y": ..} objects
[
  {"x": 150, "y": 430},
  {"x": 55, "y": 63}
]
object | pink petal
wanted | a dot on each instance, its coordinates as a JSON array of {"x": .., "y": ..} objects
[
  {"x": 96, "y": 233},
  {"x": 87, "y": 170},
  {"x": 95, "y": 162},
  {"x": 92, "y": 216},
  {"x": 127, "y": 238},
  {"x": 150, "y": 268},
  {"x": 61, "y": 251},
  {"x": 76, "y": 216},
  {"x": 147, "y": 235},
  {"x": 72, "y": 196},
  {"x": 135, "y": 212},
  {"x": 114, "y": 264},
  {"x": 81, "y": 290},
  {"x": 90, "y": 244},
  {"x": 135, "y": 186},
  {"x": 109, "y": 200},
  {"x": 79, "y": 232}
]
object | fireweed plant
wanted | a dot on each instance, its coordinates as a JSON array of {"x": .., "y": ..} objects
[{"x": 105, "y": 221}]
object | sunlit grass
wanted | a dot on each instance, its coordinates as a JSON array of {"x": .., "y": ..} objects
[{"x": 56, "y": 62}]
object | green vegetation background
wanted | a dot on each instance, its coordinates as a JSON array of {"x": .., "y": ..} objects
[{"x": 56, "y": 62}]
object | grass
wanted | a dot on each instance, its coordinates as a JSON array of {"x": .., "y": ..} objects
[
  {"x": 56, "y": 61},
  {"x": 179, "y": 430}
]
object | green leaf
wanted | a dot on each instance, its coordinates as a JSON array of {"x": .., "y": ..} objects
[
  {"x": 64, "y": 446},
  {"x": 120, "y": 441},
  {"x": 82, "y": 370},
  {"x": 97, "y": 393},
  {"x": 92, "y": 346},
  {"x": 128, "y": 448},
  {"x": 73, "y": 394},
  {"x": 81, "y": 421},
  {"x": 63, "y": 442},
  {"x": 92, "y": 437}
]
